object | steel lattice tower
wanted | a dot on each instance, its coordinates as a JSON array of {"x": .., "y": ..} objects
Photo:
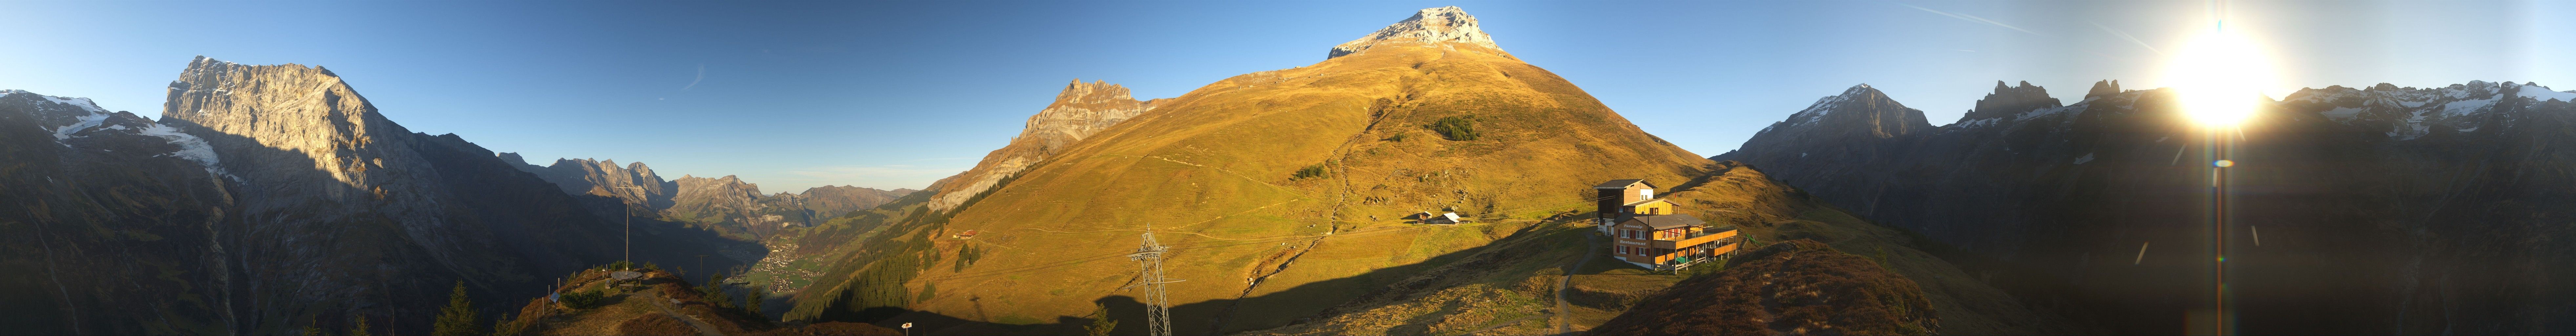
[{"x": 1158, "y": 314}]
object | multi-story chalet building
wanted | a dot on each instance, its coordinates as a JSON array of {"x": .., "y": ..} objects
[{"x": 1645, "y": 231}]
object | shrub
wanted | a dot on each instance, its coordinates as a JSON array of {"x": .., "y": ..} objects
[
  {"x": 586, "y": 299},
  {"x": 1314, "y": 171},
  {"x": 1456, "y": 128}
]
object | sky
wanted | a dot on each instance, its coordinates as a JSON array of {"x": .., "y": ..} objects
[{"x": 793, "y": 95}]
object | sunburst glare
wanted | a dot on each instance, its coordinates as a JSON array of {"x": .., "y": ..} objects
[{"x": 2219, "y": 76}]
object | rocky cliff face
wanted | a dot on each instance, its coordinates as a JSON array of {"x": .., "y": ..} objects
[
  {"x": 338, "y": 204},
  {"x": 1429, "y": 26},
  {"x": 1079, "y": 111},
  {"x": 2380, "y": 210},
  {"x": 269, "y": 198}
]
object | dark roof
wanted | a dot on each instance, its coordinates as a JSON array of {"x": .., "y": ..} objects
[
  {"x": 1660, "y": 222},
  {"x": 1641, "y": 202},
  {"x": 1621, "y": 184}
]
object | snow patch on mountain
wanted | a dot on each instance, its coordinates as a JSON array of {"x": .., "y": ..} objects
[
  {"x": 191, "y": 147},
  {"x": 86, "y": 122}
]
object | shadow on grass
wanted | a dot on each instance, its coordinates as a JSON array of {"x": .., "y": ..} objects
[{"x": 1298, "y": 304}]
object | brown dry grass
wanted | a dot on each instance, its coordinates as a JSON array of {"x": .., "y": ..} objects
[
  {"x": 1791, "y": 288},
  {"x": 636, "y": 309},
  {"x": 655, "y": 324}
]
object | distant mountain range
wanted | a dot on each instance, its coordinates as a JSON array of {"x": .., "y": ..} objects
[
  {"x": 725, "y": 204},
  {"x": 2377, "y": 210}
]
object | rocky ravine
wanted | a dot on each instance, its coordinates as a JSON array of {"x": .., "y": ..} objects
[{"x": 2378, "y": 210}]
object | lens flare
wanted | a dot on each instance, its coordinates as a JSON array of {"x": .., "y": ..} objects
[{"x": 2219, "y": 77}]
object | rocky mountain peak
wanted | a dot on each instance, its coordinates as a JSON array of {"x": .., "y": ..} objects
[
  {"x": 2009, "y": 100},
  {"x": 1081, "y": 110},
  {"x": 1431, "y": 25},
  {"x": 1861, "y": 106},
  {"x": 2103, "y": 88}
]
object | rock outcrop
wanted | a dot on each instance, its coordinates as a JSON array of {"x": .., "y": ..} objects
[
  {"x": 1429, "y": 26},
  {"x": 2433, "y": 202},
  {"x": 1078, "y": 112}
]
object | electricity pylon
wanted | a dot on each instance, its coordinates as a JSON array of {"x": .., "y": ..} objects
[{"x": 1158, "y": 314}]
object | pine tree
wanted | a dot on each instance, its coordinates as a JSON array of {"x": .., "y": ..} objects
[
  {"x": 752, "y": 304},
  {"x": 457, "y": 319},
  {"x": 1100, "y": 322},
  {"x": 313, "y": 327},
  {"x": 715, "y": 291},
  {"x": 361, "y": 329}
]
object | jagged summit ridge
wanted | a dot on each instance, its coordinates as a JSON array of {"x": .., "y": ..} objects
[
  {"x": 1431, "y": 25},
  {"x": 2009, "y": 100},
  {"x": 2407, "y": 113}
]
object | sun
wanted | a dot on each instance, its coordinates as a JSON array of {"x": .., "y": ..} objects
[{"x": 2219, "y": 77}]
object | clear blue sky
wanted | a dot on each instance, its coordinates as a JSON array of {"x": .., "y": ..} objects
[{"x": 897, "y": 94}]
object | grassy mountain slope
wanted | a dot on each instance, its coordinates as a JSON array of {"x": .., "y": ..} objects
[{"x": 1218, "y": 167}]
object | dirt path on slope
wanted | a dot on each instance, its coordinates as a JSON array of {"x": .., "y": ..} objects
[{"x": 1565, "y": 312}]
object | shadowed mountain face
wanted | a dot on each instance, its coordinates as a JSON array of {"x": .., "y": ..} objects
[
  {"x": 2380, "y": 210},
  {"x": 269, "y": 198}
]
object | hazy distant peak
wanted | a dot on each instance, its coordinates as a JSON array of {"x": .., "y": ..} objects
[{"x": 1431, "y": 25}]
